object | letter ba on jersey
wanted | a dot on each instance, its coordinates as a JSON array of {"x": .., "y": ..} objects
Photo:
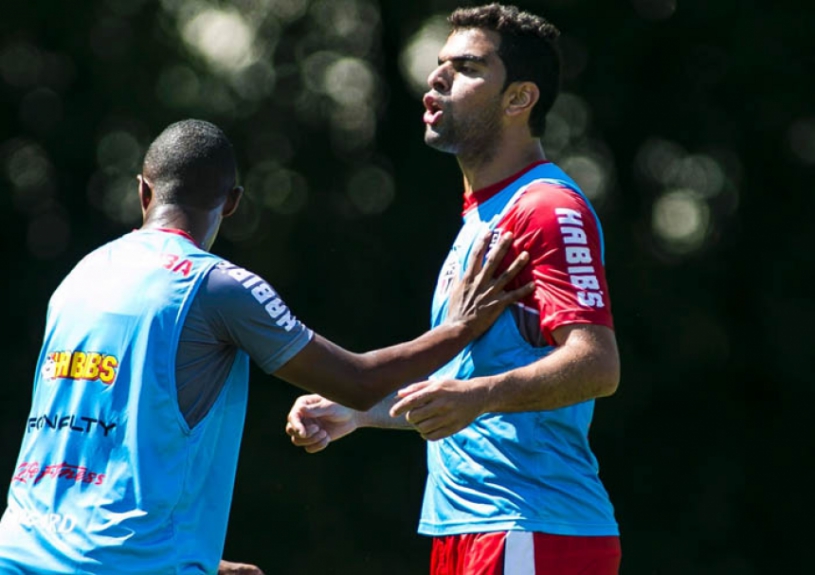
[{"x": 81, "y": 366}]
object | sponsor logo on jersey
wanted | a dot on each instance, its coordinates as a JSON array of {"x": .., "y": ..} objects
[
  {"x": 33, "y": 472},
  {"x": 75, "y": 423},
  {"x": 581, "y": 267},
  {"x": 80, "y": 365},
  {"x": 175, "y": 264},
  {"x": 263, "y": 293},
  {"x": 53, "y": 522}
]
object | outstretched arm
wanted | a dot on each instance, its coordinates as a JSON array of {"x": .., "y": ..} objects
[
  {"x": 362, "y": 380},
  {"x": 584, "y": 366},
  {"x": 314, "y": 421}
]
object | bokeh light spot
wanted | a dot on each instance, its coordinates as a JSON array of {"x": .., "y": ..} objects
[
  {"x": 420, "y": 54},
  {"x": 120, "y": 200},
  {"x": 590, "y": 173},
  {"x": 801, "y": 139},
  {"x": 20, "y": 64},
  {"x": 288, "y": 10},
  {"x": 681, "y": 221},
  {"x": 118, "y": 152},
  {"x": 655, "y": 9},
  {"x": 282, "y": 190},
  {"x": 30, "y": 172},
  {"x": 371, "y": 189},
  {"x": 349, "y": 80},
  {"x": 222, "y": 37},
  {"x": 178, "y": 86}
]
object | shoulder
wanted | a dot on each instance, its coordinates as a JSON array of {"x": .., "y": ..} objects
[
  {"x": 547, "y": 196},
  {"x": 226, "y": 280},
  {"x": 544, "y": 205}
]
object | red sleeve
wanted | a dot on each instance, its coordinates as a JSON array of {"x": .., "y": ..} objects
[{"x": 558, "y": 229}]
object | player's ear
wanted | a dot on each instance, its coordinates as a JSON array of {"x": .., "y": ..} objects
[
  {"x": 232, "y": 201},
  {"x": 520, "y": 98},
  {"x": 145, "y": 193}
]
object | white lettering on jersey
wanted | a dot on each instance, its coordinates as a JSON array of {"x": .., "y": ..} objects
[
  {"x": 263, "y": 294},
  {"x": 583, "y": 277},
  {"x": 53, "y": 522}
]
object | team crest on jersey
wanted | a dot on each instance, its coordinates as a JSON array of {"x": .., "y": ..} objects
[
  {"x": 449, "y": 273},
  {"x": 80, "y": 365}
]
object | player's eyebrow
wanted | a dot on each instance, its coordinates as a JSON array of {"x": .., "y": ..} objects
[{"x": 464, "y": 58}]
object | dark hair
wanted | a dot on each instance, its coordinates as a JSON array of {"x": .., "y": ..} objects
[
  {"x": 528, "y": 50},
  {"x": 191, "y": 163}
]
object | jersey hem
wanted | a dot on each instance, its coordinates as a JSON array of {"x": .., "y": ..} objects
[
  {"x": 573, "y": 317},
  {"x": 294, "y": 347},
  {"x": 486, "y": 526}
]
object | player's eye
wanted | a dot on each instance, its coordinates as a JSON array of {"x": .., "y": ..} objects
[{"x": 464, "y": 67}]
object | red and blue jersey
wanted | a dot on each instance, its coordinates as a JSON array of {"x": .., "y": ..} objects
[{"x": 530, "y": 471}]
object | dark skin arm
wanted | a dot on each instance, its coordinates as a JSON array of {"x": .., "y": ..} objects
[{"x": 361, "y": 380}]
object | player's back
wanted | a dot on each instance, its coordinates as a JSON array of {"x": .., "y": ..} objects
[{"x": 110, "y": 479}]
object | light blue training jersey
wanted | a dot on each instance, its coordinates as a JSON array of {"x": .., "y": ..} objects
[
  {"x": 110, "y": 478},
  {"x": 530, "y": 471}
]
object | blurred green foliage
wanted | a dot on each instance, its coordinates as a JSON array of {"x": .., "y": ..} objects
[{"x": 693, "y": 120}]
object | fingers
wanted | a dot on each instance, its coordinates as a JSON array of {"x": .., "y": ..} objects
[
  {"x": 513, "y": 270},
  {"x": 295, "y": 425},
  {"x": 477, "y": 255},
  {"x": 519, "y": 294},
  {"x": 315, "y": 440},
  {"x": 408, "y": 403},
  {"x": 497, "y": 254},
  {"x": 313, "y": 435},
  {"x": 413, "y": 388},
  {"x": 230, "y": 568},
  {"x": 433, "y": 427},
  {"x": 318, "y": 445},
  {"x": 441, "y": 432},
  {"x": 300, "y": 409},
  {"x": 411, "y": 397}
]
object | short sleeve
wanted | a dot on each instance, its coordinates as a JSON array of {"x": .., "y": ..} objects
[
  {"x": 243, "y": 309},
  {"x": 564, "y": 240}
]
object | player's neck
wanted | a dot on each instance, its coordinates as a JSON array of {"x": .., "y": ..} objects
[
  {"x": 510, "y": 157},
  {"x": 200, "y": 225}
]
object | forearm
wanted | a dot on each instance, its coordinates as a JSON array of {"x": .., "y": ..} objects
[
  {"x": 361, "y": 380},
  {"x": 379, "y": 416},
  {"x": 570, "y": 374},
  {"x": 416, "y": 359},
  {"x": 545, "y": 385}
]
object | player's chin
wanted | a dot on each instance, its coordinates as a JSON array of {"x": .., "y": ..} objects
[{"x": 435, "y": 139}]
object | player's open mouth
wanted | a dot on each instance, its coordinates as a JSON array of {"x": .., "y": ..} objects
[{"x": 433, "y": 111}]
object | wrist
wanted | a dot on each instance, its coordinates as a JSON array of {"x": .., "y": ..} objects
[
  {"x": 462, "y": 329},
  {"x": 487, "y": 391},
  {"x": 361, "y": 419}
]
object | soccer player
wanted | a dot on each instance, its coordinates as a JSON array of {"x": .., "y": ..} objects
[
  {"x": 512, "y": 485},
  {"x": 129, "y": 454}
]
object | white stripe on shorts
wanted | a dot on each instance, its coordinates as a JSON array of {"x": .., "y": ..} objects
[{"x": 519, "y": 553}]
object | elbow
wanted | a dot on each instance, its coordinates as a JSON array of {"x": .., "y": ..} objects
[
  {"x": 608, "y": 386},
  {"x": 609, "y": 378}
]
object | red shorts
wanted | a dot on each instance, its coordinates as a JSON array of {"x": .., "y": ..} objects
[{"x": 524, "y": 553}]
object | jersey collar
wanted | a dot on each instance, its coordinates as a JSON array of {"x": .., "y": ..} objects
[
  {"x": 181, "y": 233},
  {"x": 478, "y": 197}
]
